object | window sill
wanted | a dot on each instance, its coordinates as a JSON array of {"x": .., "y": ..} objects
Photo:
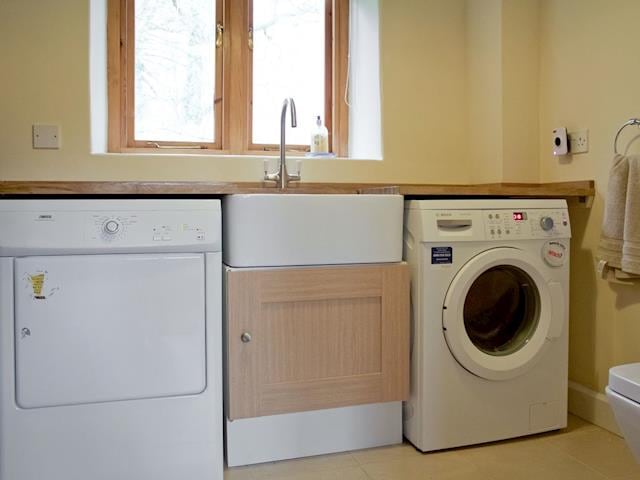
[
  {"x": 207, "y": 152},
  {"x": 203, "y": 153}
]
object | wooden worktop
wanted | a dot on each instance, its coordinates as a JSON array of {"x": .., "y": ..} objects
[{"x": 580, "y": 192}]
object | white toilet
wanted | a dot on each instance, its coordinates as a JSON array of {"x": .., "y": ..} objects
[{"x": 623, "y": 393}]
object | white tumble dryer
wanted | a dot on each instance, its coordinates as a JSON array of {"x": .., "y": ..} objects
[
  {"x": 490, "y": 296},
  {"x": 110, "y": 340}
]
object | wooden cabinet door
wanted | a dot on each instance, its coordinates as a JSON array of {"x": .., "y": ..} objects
[{"x": 316, "y": 338}]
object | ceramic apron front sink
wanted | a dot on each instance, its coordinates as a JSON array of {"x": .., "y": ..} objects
[{"x": 267, "y": 230}]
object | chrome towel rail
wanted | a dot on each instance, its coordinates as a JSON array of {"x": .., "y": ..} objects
[{"x": 631, "y": 121}]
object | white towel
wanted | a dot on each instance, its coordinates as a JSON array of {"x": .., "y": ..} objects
[
  {"x": 620, "y": 238},
  {"x": 631, "y": 244}
]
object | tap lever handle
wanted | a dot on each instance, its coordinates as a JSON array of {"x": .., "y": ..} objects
[
  {"x": 295, "y": 177},
  {"x": 270, "y": 177}
]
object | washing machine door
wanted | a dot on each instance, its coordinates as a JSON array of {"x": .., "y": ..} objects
[{"x": 500, "y": 314}]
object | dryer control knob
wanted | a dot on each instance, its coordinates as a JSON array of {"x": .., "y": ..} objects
[
  {"x": 111, "y": 227},
  {"x": 546, "y": 223}
]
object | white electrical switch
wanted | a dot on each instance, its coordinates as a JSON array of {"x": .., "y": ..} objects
[
  {"x": 560, "y": 145},
  {"x": 46, "y": 136}
]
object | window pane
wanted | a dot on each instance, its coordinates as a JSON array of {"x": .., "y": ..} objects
[
  {"x": 174, "y": 70},
  {"x": 288, "y": 61}
]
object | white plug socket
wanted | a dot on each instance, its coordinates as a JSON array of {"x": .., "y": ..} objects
[{"x": 579, "y": 141}]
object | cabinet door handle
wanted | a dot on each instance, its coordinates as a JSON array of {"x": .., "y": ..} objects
[{"x": 245, "y": 337}]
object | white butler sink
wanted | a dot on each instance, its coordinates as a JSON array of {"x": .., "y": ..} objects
[{"x": 267, "y": 230}]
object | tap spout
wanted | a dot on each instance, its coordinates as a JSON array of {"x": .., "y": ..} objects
[
  {"x": 282, "y": 170},
  {"x": 282, "y": 177}
]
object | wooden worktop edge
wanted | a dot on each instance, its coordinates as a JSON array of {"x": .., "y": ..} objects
[{"x": 582, "y": 188}]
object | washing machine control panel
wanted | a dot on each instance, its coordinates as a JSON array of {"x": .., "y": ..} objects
[{"x": 526, "y": 224}]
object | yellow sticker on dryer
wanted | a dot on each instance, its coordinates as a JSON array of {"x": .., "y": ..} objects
[{"x": 37, "y": 282}]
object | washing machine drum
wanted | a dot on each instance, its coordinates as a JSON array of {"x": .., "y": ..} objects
[{"x": 500, "y": 315}]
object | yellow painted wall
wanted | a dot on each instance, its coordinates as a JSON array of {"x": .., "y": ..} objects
[
  {"x": 502, "y": 48},
  {"x": 590, "y": 71},
  {"x": 44, "y": 56},
  {"x": 484, "y": 89},
  {"x": 520, "y": 90}
]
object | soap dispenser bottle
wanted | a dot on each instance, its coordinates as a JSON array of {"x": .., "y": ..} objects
[{"x": 319, "y": 138}]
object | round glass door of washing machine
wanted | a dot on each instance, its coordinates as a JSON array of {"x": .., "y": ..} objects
[
  {"x": 498, "y": 314},
  {"x": 501, "y": 310}
]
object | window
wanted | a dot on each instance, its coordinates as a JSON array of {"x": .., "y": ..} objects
[{"x": 212, "y": 74}]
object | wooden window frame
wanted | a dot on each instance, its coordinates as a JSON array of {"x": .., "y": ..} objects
[{"x": 233, "y": 89}]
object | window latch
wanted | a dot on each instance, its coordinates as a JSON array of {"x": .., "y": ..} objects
[
  {"x": 219, "y": 31},
  {"x": 250, "y": 41}
]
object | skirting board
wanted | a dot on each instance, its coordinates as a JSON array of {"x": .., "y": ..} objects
[
  {"x": 592, "y": 406},
  {"x": 296, "y": 435}
]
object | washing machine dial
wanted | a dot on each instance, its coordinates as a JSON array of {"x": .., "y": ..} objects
[
  {"x": 111, "y": 227},
  {"x": 546, "y": 223}
]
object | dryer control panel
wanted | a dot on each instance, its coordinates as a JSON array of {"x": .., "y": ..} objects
[
  {"x": 42, "y": 227},
  {"x": 141, "y": 228},
  {"x": 518, "y": 224}
]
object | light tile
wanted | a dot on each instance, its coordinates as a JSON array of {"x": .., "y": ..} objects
[
  {"x": 472, "y": 474},
  {"x": 567, "y": 469},
  {"x": 384, "y": 454},
  {"x": 513, "y": 455},
  {"x": 576, "y": 424},
  {"x": 530, "y": 458},
  {"x": 603, "y": 451},
  {"x": 238, "y": 473},
  {"x": 558, "y": 468},
  {"x": 429, "y": 465},
  {"x": 349, "y": 473},
  {"x": 304, "y": 466}
]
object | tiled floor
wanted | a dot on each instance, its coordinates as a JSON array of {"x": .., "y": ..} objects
[{"x": 580, "y": 452}]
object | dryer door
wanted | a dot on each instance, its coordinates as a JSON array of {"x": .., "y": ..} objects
[
  {"x": 500, "y": 313},
  {"x": 100, "y": 328}
]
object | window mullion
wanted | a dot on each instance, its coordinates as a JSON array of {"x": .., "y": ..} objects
[
  {"x": 341, "y": 71},
  {"x": 235, "y": 83},
  {"x": 247, "y": 43},
  {"x": 218, "y": 93},
  {"x": 129, "y": 73},
  {"x": 114, "y": 67},
  {"x": 328, "y": 72}
]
